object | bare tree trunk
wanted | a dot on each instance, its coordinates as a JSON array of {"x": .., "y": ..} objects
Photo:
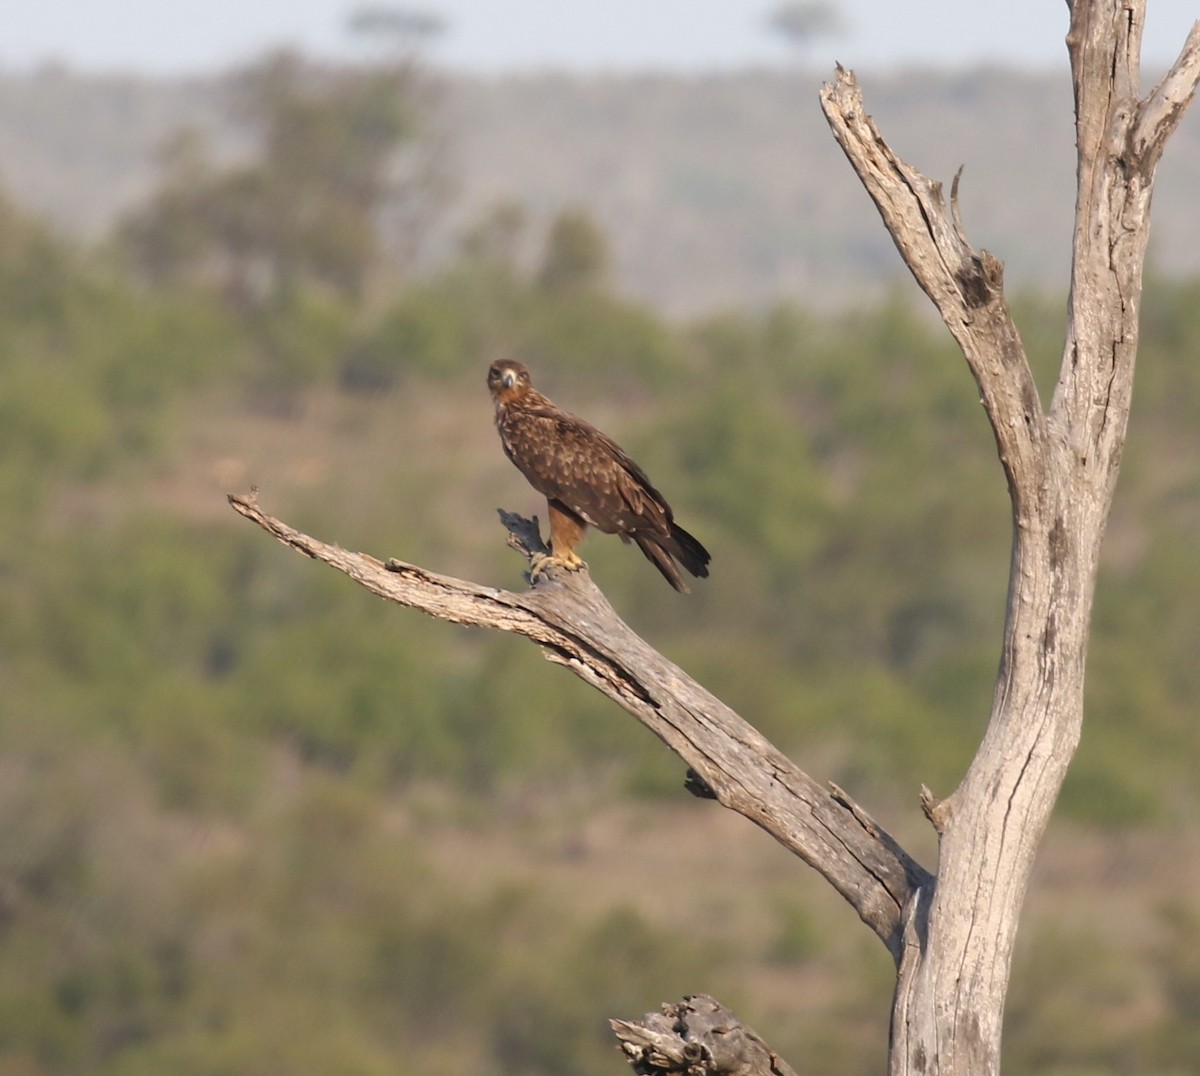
[
  {"x": 1061, "y": 467},
  {"x": 951, "y": 935}
]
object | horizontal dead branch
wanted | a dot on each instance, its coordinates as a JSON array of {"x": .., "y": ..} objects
[{"x": 568, "y": 616}]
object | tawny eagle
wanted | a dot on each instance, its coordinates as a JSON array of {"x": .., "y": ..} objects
[{"x": 587, "y": 479}]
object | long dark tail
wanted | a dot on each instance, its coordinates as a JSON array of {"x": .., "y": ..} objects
[{"x": 664, "y": 550}]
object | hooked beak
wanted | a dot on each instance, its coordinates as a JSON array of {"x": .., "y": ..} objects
[{"x": 509, "y": 379}]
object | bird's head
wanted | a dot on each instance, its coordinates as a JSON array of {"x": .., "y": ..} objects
[{"x": 508, "y": 379}]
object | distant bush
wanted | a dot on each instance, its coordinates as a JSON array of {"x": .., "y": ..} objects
[
  {"x": 213, "y": 754},
  {"x": 424, "y": 333}
]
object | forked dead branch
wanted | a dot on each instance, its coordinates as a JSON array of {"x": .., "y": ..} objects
[{"x": 951, "y": 934}]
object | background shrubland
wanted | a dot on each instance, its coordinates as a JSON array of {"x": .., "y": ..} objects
[{"x": 252, "y": 821}]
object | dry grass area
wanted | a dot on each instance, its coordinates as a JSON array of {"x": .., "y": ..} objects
[{"x": 695, "y": 868}]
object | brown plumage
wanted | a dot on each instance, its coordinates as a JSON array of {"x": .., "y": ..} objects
[{"x": 587, "y": 479}]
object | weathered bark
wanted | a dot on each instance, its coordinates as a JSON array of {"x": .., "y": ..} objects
[
  {"x": 696, "y": 1037},
  {"x": 1061, "y": 466},
  {"x": 572, "y": 621},
  {"x": 952, "y": 936}
]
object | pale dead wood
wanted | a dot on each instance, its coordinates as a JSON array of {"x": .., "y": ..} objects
[
  {"x": 952, "y": 935},
  {"x": 1162, "y": 110},
  {"x": 573, "y": 623},
  {"x": 966, "y": 286},
  {"x": 1061, "y": 468},
  {"x": 696, "y": 1037},
  {"x": 568, "y": 616}
]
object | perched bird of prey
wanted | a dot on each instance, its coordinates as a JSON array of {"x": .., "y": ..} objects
[{"x": 586, "y": 478}]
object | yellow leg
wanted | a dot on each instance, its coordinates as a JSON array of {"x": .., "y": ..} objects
[{"x": 566, "y": 532}]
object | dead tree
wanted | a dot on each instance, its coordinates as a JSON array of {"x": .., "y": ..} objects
[{"x": 951, "y": 933}]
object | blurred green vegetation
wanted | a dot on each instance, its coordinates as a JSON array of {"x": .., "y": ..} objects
[{"x": 225, "y": 773}]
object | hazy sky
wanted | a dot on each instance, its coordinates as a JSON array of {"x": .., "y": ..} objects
[{"x": 181, "y": 36}]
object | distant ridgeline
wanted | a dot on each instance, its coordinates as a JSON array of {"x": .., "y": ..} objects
[{"x": 715, "y": 191}]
